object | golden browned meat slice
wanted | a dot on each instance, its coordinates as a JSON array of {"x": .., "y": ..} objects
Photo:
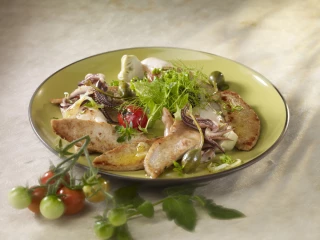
[
  {"x": 166, "y": 150},
  {"x": 243, "y": 119},
  {"x": 127, "y": 157},
  {"x": 103, "y": 135}
]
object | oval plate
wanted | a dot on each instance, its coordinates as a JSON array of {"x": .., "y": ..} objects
[{"x": 255, "y": 89}]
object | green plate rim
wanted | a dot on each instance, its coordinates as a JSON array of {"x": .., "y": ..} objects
[{"x": 164, "y": 181}]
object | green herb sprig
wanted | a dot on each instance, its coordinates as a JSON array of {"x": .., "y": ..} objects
[
  {"x": 224, "y": 158},
  {"x": 180, "y": 204},
  {"x": 125, "y": 133}
]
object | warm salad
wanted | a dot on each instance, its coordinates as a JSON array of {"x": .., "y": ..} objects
[{"x": 158, "y": 115}]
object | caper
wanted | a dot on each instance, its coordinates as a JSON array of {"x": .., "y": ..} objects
[
  {"x": 223, "y": 87},
  {"x": 191, "y": 160},
  {"x": 218, "y": 78},
  {"x": 123, "y": 89}
]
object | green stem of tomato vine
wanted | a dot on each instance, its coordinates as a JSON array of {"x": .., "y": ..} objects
[
  {"x": 93, "y": 170},
  {"x": 93, "y": 175},
  {"x": 72, "y": 158}
]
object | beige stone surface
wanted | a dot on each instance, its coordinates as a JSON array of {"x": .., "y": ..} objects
[{"x": 280, "y": 39}]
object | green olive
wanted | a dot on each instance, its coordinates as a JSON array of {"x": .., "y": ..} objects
[
  {"x": 191, "y": 160},
  {"x": 218, "y": 78},
  {"x": 124, "y": 89}
]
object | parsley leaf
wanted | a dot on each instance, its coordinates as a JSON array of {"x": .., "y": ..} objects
[
  {"x": 178, "y": 168},
  {"x": 236, "y": 108},
  {"x": 125, "y": 133}
]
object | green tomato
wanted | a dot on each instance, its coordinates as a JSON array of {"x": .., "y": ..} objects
[
  {"x": 117, "y": 216},
  {"x": 19, "y": 197},
  {"x": 103, "y": 230},
  {"x": 96, "y": 193},
  {"x": 146, "y": 209},
  {"x": 52, "y": 207}
]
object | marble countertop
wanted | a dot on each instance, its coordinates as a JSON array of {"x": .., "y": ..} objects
[{"x": 279, "y": 39}]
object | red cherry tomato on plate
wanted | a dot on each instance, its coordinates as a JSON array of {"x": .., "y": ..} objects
[
  {"x": 37, "y": 194},
  {"x": 73, "y": 199},
  {"x": 133, "y": 115}
]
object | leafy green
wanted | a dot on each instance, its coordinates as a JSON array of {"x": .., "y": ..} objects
[
  {"x": 181, "y": 210},
  {"x": 177, "y": 167},
  {"x": 125, "y": 133},
  {"x": 172, "y": 88},
  {"x": 236, "y": 108},
  {"x": 114, "y": 83},
  {"x": 128, "y": 195},
  {"x": 223, "y": 162},
  {"x": 219, "y": 212},
  {"x": 90, "y": 103},
  {"x": 230, "y": 107},
  {"x": 187, "y": 189},
  {"x": 123, "y": 233},
  {"x": 224, "y": 158}
]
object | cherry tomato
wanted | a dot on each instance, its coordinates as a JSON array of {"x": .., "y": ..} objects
[
  {"x": 103, "y": 230},
  {"x": 37, "y": 194},
  {"x": 19, "y": 197},
  {"x": 117, "y": 216},
  {"x": 73, "y": 200},
  {"x": 52, "y": 207},
  {"x": 49, "y": 174},
  {"x": 133, "y": 115},
  {"x": 95, "y": 193}
]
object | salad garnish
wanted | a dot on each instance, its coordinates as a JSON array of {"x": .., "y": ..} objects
[
  {"x": 172, "y": 89},
  {"x": 125, "y": 133}
]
